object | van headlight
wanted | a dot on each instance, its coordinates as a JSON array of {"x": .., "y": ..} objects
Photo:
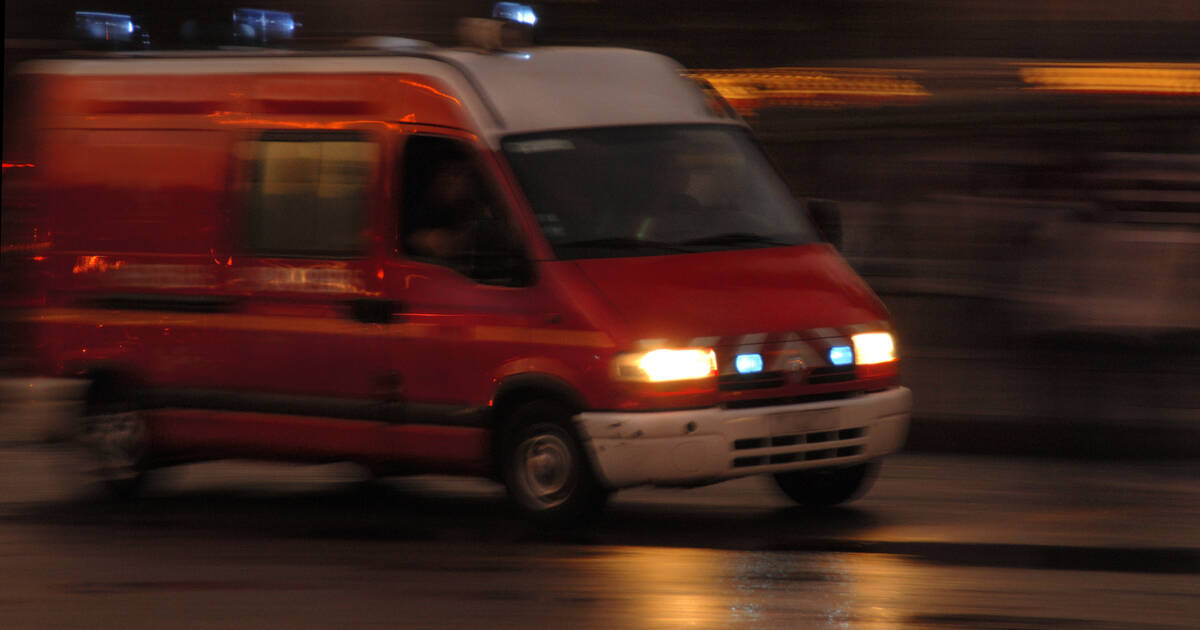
[
  {"x": 667, "y": 364},
  {"x": 874, "y": 347}
]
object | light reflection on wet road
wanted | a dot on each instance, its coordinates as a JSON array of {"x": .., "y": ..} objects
[{"x": 942, "y": 542}]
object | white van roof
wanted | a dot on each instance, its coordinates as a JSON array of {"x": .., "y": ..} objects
[
  {"x": 564, "y": 88},
  {"x": 506, "y": 92}
]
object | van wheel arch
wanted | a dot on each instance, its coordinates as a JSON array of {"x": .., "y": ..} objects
[
  {"x": 545, "y": 467},
  {"x": 519, "y": 390}
]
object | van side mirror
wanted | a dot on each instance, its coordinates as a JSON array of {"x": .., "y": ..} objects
[{"x": 828, "y": 217}]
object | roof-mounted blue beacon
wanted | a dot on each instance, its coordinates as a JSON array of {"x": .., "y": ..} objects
[
  {"x": 263, "y": 26},
  {"x": 515, "y": 12},
  {"x": 97, "y": 29}
]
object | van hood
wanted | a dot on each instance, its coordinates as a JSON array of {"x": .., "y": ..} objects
[{"x": 678, "y": 298}]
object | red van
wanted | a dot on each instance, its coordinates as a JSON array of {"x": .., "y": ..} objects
[{"x": 568, "y": 269}]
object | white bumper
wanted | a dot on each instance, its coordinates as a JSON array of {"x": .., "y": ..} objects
[{"x": 700, "y": 446}]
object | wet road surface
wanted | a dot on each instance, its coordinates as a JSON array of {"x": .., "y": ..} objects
[{"x": 941, "y": 542}]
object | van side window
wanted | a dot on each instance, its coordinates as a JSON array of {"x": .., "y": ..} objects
[
  {"x": 451, "y": 216},
  {"x": 309, "y": 193}
]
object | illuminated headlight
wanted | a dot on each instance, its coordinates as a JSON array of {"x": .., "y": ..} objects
[
  {"x": 876, "y": 347},
  {"x": 663, "y": 365}
]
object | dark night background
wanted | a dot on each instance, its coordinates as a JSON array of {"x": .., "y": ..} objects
[{"x": 729, "y": 33}]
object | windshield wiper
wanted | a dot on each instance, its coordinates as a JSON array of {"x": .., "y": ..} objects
[
  {"x": 622, "y": 242},
  {"x": 736, "y": 238}
]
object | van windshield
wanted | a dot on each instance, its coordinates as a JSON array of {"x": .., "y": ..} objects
[{"x": 654, "y": 190}]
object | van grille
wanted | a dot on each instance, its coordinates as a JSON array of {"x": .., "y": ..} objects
[
  {"x": 823, "y": 375},
  {"x": 802, "y": 447},
  {"x": 743, "y": 382},
  {"x": 769, "y": 380}
]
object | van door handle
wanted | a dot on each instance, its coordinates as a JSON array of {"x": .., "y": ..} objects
[{"x": 374, "y": 310}]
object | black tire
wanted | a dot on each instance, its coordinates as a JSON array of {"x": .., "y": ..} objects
[
  {"x": 545, "y": 469},
  {"x": 113, "y": 431},
  {"x": 828, "y": 486}
]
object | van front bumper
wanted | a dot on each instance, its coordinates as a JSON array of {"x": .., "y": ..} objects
[{"x": 700, "y": 446}]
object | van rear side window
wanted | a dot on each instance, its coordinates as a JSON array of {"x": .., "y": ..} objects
[{"x": 308, "y": 194}]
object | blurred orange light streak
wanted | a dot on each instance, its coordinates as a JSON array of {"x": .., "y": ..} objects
[
  {"x": 750, "y": 89},
  {"x": 1114, "y": 78}
]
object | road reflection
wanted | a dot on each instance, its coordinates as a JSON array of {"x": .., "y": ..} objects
[{"x": 701, "y": 588}]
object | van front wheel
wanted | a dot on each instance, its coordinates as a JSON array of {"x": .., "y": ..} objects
[
  {"x": 546, "y": 471},
  {"x": 828, "y": 486}
]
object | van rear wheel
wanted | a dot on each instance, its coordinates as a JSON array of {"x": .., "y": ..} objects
[
  {"x": 114, "y": 433},
  {"x": 545, "y": 468},
  {"x": 828, "y": 486}
]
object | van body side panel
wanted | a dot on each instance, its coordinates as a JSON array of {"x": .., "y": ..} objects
[
  {"x": 248, "y": 99},
  {"x": 138, "y": 216},
  {"x": 139, "y": 192},
  {"x": 454, "y": 334},
  {"x": 340, "y": 100},
  {"x": 189, "y": 434},
  {"x": 144, "y": 186}
]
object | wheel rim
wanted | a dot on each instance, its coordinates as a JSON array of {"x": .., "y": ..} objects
[
  {"x": 545, "y": 470},
  {"x": 118, "y": 442}
]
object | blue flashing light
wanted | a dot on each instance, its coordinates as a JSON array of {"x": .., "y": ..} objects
[
  {"x": 515, "y": 12},
  {"x": 841, "y": 355},
  {"x": 104, "y": 27},
  {"x": 748, "y": 363},
  {"x": 263, "y": 25}
]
